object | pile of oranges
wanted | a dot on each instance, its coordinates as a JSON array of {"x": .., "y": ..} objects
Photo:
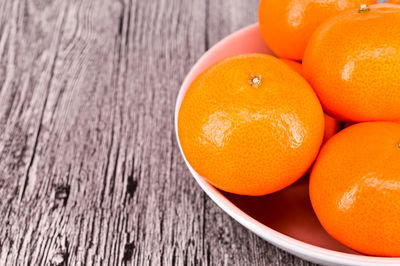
[{"x": 254, "y": 124}]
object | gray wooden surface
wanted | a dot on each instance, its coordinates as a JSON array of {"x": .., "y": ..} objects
[{"x": 90, "y": 172}]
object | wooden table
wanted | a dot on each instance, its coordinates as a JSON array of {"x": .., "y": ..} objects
[{"x": 90, "y": 171}]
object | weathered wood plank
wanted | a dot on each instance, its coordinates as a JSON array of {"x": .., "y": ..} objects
[{"x": 90, "y": 169}]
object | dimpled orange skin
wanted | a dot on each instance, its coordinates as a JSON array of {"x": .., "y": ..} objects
[
  {"x": 250, "y": 140},
  {"x": 353, "y": 64},
  {"x": 287, "y": 25},
  {"x": 331, "y": 124},
  {"x": 355, "y": 188}
]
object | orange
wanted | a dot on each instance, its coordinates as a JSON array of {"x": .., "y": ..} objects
[
  {"x": 296, "y": 66},
  {"x": 250, "y": 125},
  {"x": 394, "y": 1},
  {"x": 287, "y": 25},
  {"x": 331, "y": 124},
  {"x": 353, "y": 63},
  {"x": 331, "y": 127},
  {"x": 355, "y": 188}
]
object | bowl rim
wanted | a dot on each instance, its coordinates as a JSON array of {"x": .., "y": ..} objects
[{"x": 292, "y": 245}]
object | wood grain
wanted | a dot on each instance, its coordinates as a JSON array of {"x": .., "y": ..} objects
[{"x": 90, "y": 169}]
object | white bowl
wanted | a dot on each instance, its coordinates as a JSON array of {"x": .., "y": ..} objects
[{"x": 285, "y": 218}]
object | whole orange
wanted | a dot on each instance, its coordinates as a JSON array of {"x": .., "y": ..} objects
[
  {"x": 287, "y": 25},
  {"x": 353, "y": 63},
  {"x": 355, "y": 187},
  {"x": 331, "y": 124},
  {"x": 250, "y": 125}
]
